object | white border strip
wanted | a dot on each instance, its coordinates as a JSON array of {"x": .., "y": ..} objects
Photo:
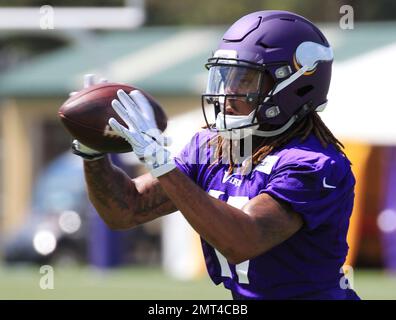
[{"x": 72, "y": 18}]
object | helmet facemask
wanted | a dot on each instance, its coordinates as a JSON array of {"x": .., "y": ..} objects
[{"x": 234, "y": 93}]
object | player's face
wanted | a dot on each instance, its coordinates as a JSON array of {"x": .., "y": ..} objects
[
  {"x": 240, "y": 81},
  {"x": 236, "y": 83},
  {"x": 239, "y": 106}
]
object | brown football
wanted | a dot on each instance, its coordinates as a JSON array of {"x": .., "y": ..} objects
[{"x": 85, "y": 115}]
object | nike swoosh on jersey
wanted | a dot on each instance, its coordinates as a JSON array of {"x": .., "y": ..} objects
[{"x": 327, "y": 185}]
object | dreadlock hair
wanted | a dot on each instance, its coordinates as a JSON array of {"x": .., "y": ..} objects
[{"x": 312, "y": 123}]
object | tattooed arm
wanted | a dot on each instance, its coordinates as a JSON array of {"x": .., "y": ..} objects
[{"x": 123, "y": 202}]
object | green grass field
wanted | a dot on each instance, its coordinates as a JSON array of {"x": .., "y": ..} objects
[{"x": 146, "y": 283}]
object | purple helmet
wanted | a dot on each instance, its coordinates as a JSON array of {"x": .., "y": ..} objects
[{"x": 284, "y": 45}]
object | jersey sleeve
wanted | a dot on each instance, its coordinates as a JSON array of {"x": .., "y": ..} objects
[
  {"x": 314, "y": 187},
  {"x": 186, "y": 160}
]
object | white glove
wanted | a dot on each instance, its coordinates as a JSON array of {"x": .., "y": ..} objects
[
  {"x": 89, "y": 80},
  {"x": 142, "y": 132},
  {"x": 77, "y": 147}
]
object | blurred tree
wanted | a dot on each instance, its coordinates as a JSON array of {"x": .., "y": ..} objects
[
  {"x": 375, "y": 10},
  {"x": 225, "y": 11},
  {"x": 16, "y": 48},
  {"x": 212, "y": 12}
]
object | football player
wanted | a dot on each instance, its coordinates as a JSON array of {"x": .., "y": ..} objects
[{"x": 266, "y": 184}]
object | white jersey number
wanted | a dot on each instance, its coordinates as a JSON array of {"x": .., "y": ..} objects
[{"x": 243, "y": 267}]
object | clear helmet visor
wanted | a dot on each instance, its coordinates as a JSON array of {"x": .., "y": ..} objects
[
  {"x": 231, "y": 89},
  {"x": 233, "y": 80},
  {"x": 232, "y": 94}
]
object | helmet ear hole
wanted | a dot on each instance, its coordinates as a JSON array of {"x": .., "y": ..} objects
[
  {"x": 268, "y": 82},
  {"x": 304, "y": 90}
]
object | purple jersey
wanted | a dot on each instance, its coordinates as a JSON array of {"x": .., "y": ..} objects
[{"x": 318, "y": 183}]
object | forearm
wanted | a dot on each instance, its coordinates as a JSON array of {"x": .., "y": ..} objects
[
  {"x": 111, "y": 192},
  {"x": 123, "y": 202},
  {"x": 226, "y": 228}
]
